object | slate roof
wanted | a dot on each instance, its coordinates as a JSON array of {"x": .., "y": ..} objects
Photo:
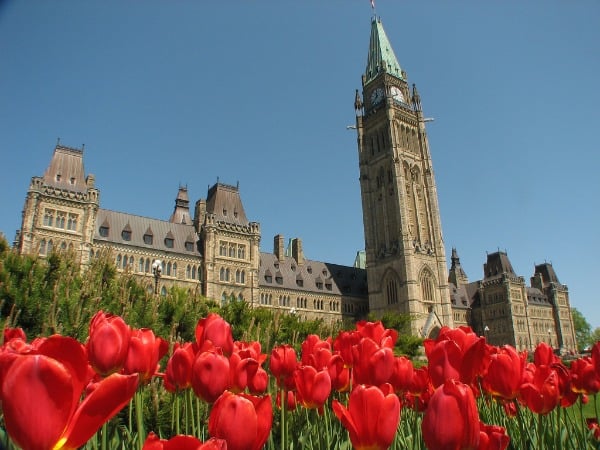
[
  {"x": 66, "y": 170},
  {"x": 312, "y": 276},
  {"x": 547, "y": 272},
  {"x": 497, "y": 264},
  {"x": 534, "y": 295},
  {"x": 138, "y": 225},
  {"x": 224, "y": 201},
  {"x": 459, "y": 296}
]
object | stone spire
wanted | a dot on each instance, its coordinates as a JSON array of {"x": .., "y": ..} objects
[
  {"x": 181, "y": 213},
  {"x": 457, "y": 275}
]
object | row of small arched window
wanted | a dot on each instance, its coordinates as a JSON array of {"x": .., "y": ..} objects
[
  {"x": 225, "y": 274},
  {"x": 47, "y": 247}
]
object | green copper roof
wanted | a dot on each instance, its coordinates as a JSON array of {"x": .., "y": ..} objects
[{"x": 381, "y": 54}]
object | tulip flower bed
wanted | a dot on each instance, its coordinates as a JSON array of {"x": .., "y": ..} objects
[{"x": 346, "y": 392}]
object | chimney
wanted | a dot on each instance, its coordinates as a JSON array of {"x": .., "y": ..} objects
[
  {"x": 297, "y": 252},
  {"x": 278, "y": 247}
]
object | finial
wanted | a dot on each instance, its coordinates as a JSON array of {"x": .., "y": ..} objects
[
  {"x": 57, "y": 141},
  {"x": 357, "y": 102}
]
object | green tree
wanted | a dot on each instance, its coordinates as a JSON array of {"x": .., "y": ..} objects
[
  {"x": 583, "y": 329},
  {"x": 595, "y": 335}
]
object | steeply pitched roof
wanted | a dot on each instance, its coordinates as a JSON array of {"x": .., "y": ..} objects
[
  {"x": 497, "y": 264},
  {"x": 138, "y": 226},
  {"x": 225, "y": 203},
  {"x": 381, "y": 55},
  {"x": 312, "y": 276},
  {"x": 547, "y": 272},
  {"x": 181, "y": 213},
  {"x": 66, "y": 170}
]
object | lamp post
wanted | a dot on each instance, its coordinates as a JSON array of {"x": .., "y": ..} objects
[
  {"x": 156, "y": 271},
  {"x": 549, "y": 337},
  {"x": 486, "y": 330}
]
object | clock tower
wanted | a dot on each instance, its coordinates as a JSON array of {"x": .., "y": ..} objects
[{"x": 405, "y": 256}]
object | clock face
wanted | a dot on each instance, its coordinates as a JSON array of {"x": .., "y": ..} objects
[
  {"x": 397, "y": 94},
  {"x": 376, "y": 96}
]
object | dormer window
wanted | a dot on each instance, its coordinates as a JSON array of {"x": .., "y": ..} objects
[
  {"x": 58, "y": 177},
  {"x": 169, "y": 242},
  {"x": 126, "y": 235},
  {"x": 189, "y": 246},
  {"x": 72, "y": 180},
  {"x": 103, "y": 231},
  {"x": 148, "y": 239}
]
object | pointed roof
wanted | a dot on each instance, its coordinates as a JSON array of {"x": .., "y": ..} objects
[
  {"x": 225, "y": 203},
  {"x": 498, "y": 264},
  {"x": 381, "y": 55},
  {"x": 66, "y": 170},
  {"x": 181, "y": 213}
]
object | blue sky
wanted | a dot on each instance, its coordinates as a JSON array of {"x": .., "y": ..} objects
[{"x": 164, "y": 93}]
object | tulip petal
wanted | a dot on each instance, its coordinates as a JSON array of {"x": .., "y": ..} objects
[
  {"x": 106, "y": 400},
  {"x": 229, "y": 411},
  {"x": 37, "y": 401}
]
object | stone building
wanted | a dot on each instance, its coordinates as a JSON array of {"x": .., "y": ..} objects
[
  {"x": 215, "y": 251},
  {"x": 507, "y": 311}
]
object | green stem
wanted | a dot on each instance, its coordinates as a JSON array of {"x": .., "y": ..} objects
[
  {"x": 104, "y": 440},
  {"x": 177, "y": 406},
  {"x": 521, "y": 425},
  {"x": 139, "y": 415},
  {"x": 558, "y": 442},
  {"x": 415, "y": 429},
  {"x": 540, "y": 430},
  {"x": 283, "y": 404}
]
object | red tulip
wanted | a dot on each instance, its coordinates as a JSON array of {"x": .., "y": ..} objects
[
  {"x": 419, "y": 390},
  {"x": 338, "y": 373},
  {"x": 14, "y": 333},
  {"x": 592, "y": 424},
  {"x": 451, "y": 420},
  {"x": 108, "y": 343},
  {"x": 540, "y": 392},
  {"x": 144, "y": 354},
  {"x": 215, "y": 330},
  {"x": 456, "y": 353},
  {"x": 384, "y": 337},
  {"x": 244, "y": 421},
  {"x": 402, "y": 376},
  {"x": 312, "y": 387},
  {"x": 544, "y": 355},
  {"x": 311, "y": 345},
  {"x": 371, "y": 418},
  {"x": 178, "y": 375},
  {"x": 343, "y": 344},
  {"x": 41, "y": 394},
  {"x": 584, "y": 378},
  {"x": 290, "y": 404},
  {"x": 373, "y": 364},
  {"x": 242, "y": 371},
  {"x": 210, "y": 375},
  {"x": 283, "y": 363},
  {"x": 181, "y": 442},
  {"x": 505, "y": 373},
  {"x": 492, "y": 437}
]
